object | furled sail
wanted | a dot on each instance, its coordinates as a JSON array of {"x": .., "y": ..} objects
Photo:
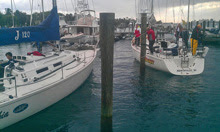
[{"x": 46, "y": 31}]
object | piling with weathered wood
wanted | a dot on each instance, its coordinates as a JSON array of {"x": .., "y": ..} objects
[
  {"x": 208, "y": 24},
  {"x": 213, "y": 23},
  {"x": 204, "y": 26},
  {"x": 143, "y": 42},
  {"x": 107, "y": 53},
  {"x": 191, "y": 25},
  {"x": 219, "y": 24},
  {"x": 188, "y": 25}
]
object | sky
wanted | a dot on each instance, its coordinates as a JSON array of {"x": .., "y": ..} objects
[{"x": 164, "y": 10}]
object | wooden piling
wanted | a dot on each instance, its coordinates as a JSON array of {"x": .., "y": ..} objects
[
  {"x": 188, "y": 25},
  {"x": 213, "y": 23},
  {"x": 204, "y": 26},
  {"x": 208, "y": 24},
  {"x": 143, "y": 42},
  {"x": 218, "y": 24},
  {"x": 107, "y": 48},
  {"x": 191, "y": 25}
]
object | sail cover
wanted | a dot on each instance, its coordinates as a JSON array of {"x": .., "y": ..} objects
[{"x": 46, "y": 31}]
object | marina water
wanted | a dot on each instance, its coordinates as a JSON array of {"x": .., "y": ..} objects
[{"x": 162, "y": 102}]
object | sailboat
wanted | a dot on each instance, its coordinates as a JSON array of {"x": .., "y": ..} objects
[
  {"x": 85, "y": 28},
  {"x": 37, "y": 81},
  {"x": 172, "y": 59}
]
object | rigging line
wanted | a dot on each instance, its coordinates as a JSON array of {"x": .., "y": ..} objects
[
  {"x": 65, "y": 5},
  {"x": 72, "y": 4},
  {"x": 75, "y": 6},
  {"x": 136, "y": 8},
  {"x": 193, "y": 10},
  {"x": 181, "y": 11},
  {"x": 166, "y": 11},
  {"x": 14, "y": 5},
  {"x": 173, "y": 12},
  {"x": 93, "y": 5},
  {"x": 178, "y": 18},
  {"x": 88, "y": 4},
  {"x": 159, "y": 9},
  {"x": 201, "y": 9},
  {"x": 152, "y": 6},
  {"x": 31, "y": 6}
]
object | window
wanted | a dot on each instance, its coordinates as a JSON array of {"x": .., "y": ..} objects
[
  {"x": 24, "y": 58},
  {"x": 42, "y": 70},
  {"x": 57, "y": 64},
  {"x": 19, "y": 57}
]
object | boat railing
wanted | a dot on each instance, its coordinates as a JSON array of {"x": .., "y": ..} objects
[{"x": 15, "y": 84}]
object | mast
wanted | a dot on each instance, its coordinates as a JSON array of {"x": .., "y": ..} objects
[
  {"x": 31, "y": 5},
  {"x": 54, "y": 3},
  {"x": 12, "y": 14},
  {"x": 188, "y": 15},
  {"x": 42, "y": 3},
  {"x": 152, "y": 7},
  {"x": 174, "y": 13}
]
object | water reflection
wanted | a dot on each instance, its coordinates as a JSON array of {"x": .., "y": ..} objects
[{"x": 175, "y": 96}]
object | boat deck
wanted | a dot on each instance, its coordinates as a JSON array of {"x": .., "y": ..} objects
[{"x": 49, "y": 80}]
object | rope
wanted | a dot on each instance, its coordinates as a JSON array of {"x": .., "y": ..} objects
[
  {"x": 166, "y": 12},
  {"x": 65, "y": 5},
  {"x": 14, "y": 5},
  {"x": 93, "y": 5},
  {"x": 173, "y": 12},
  {"x": 72, "y": 4},
  {"x": 159, "y": 9}
]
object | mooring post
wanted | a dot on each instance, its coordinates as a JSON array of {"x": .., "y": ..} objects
[
  {"x": 107, "y": 53},
  {"x": 143, "y": 42},
  {"x": 191, "y": 25},
  {"x": 208, "y": 24},
  {"x": 213, "y": 23},
  {"x": 219, "y": 24},
  {"x": 204, "y": 27}
]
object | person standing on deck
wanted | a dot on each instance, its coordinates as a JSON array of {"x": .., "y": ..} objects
[
  {"x": 151, "y": 38},
  {"x": 178, "y": 32},
  {"x": 196, "y": 38},
  {"x": 137, "y": 34},
  {"x": 185, "y": 36},
  {"x": 10, "y": 60}
]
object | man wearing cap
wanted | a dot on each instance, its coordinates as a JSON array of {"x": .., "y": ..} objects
[{"x": 195, "y": 38}]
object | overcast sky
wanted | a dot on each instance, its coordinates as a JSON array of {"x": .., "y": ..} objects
[{"x": 163, "y": 9}]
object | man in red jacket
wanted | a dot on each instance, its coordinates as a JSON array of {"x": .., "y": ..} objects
[
  {"x": 137, "y": 35},
  {"x": 151, "y": 38}
]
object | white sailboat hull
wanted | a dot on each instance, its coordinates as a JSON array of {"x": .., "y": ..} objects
[
  {"x": 171, "y": 65},
  {"x": 35, "y": 101}
]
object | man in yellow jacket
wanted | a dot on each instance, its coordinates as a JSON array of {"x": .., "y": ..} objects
[{"x": 196, "y": 38}]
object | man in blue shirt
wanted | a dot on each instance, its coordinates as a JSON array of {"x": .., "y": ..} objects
[{"x": 10, "y": 60}]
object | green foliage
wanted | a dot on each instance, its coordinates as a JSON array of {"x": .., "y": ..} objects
[
  {"x": 23, "y": 19},
  {"x": 123, "y": 22}
]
